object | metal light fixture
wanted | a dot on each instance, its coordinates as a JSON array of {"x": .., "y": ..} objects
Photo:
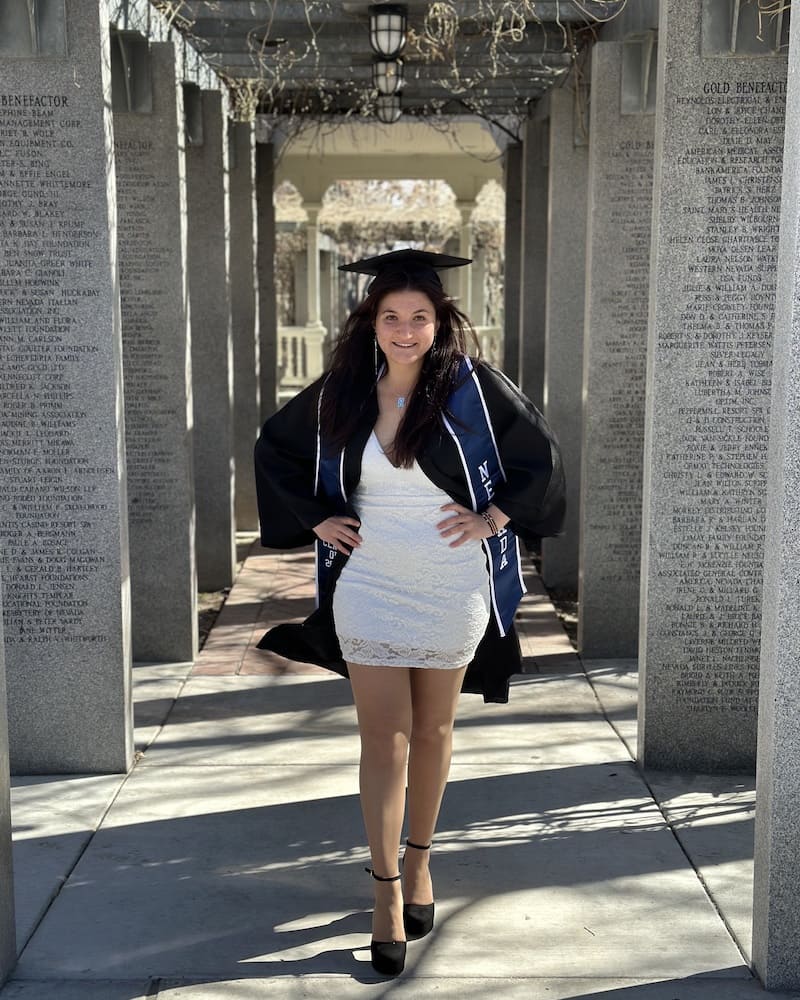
[
  {"x": 387, "y": 75},
  {"x": 387, "y": 108},
  {"x": 387, "y": 29}
]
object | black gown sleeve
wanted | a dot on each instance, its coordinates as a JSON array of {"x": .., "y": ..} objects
[
  {"x": 533, "y": 495},
  {"x": 285, "y": 460}
]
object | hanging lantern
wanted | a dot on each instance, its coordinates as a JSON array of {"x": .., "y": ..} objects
[
  {"x": 387, "y": 29},
  {"x": 387, "y": 108},
  {"x": 387, "y": 75}
]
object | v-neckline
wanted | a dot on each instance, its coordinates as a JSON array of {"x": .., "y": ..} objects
[{"x": 381, "y": 449}]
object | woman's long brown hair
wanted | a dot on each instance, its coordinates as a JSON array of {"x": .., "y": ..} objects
[{"x": 356, "y": 359}]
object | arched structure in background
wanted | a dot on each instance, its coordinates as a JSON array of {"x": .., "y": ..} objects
[{"x": 411, "y": 151}]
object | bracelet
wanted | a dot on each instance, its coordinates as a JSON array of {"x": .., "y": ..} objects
[{"x": 490, "y": 521}]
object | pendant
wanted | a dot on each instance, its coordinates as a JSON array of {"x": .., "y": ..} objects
[{"x": 401, "y": 402}]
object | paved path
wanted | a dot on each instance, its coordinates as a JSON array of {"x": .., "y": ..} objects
[{"x": 229, "y": 864}]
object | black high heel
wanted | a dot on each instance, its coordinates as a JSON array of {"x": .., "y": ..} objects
[
  {"x": 388, "y": 957},
  {"x": 418, "y": 917}
]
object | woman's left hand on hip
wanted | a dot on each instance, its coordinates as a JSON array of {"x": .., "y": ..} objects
[{"x": 464, "y": 525}]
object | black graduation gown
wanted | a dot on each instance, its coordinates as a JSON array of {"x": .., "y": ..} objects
[{"x": 532, "y": 496}]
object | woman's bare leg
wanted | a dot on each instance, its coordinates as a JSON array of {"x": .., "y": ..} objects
[
  {"x": 434, "y": 697},
  {"x": 383, "y": 705}
]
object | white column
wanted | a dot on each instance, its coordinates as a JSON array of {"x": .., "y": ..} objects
[
  {"x": 465, "y": 250},
  {"x": 315, "y": 352},
  {"x": 477, "y": 307},
  {"x": 312, "y": 266}
]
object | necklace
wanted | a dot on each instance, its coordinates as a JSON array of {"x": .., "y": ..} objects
[{"x": 400, "y": 401}]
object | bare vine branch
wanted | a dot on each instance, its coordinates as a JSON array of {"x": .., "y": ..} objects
[{"x": 288, "y": 81}]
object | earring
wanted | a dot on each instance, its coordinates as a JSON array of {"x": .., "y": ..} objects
[{"x": 375, "y": 351}]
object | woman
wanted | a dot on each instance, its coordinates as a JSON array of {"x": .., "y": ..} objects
[{"x": 413, "y": 468}]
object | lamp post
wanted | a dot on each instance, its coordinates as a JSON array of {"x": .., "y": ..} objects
[
  {"x": 387, "y": 108},
  {"x": 387, "y": 75},
  {"x": 388, "y": 24},
  {"x": 387, "y": 29}
]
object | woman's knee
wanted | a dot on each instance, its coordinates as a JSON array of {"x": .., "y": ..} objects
[
  {"x": 384, "y": 745},
  {"x": 431, "y": 731}
]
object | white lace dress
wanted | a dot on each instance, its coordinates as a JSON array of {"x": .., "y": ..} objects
[{"x": 404, "y": 597}]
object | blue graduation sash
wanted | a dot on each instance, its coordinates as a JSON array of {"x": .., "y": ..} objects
[
  {"x": 472, "y": 432},
  {"x": 329, "y": 483}
]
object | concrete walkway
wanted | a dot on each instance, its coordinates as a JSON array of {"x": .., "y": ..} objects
[{"x": 229, "y": 864}]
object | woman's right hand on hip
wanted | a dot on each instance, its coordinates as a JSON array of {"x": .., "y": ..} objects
[{"x": 339, "y": 531}]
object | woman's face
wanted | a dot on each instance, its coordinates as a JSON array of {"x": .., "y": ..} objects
[{"x": 405, "y": 326}]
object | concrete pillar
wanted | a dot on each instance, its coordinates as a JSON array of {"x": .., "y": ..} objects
[
  {"x": 8, "y": 946},
  {"x": 776, "y": 915},
  {"x": 719, "y": 149},
  {"x": 466, "y": 209},
  {"x": 63, "y": 524},
  {"x": 244, "y": 320},
  {"x": 533, "y": 278},
  {"x": 212, "y": 347},
  {"x": 151, "y": 202},
  {"x": 615, "y": 357},
  {"x": 563, "y": 353},
  {"x": 267, "y": 308},
  {"x": 512, "y": 170}
]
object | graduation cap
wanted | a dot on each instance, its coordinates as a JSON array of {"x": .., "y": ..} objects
[{"x": 406, "y": 262}]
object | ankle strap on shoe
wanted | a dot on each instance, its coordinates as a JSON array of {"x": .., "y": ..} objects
[
  {"x": 419, "y": 847},
  {"x": 383, "y": 878}
]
